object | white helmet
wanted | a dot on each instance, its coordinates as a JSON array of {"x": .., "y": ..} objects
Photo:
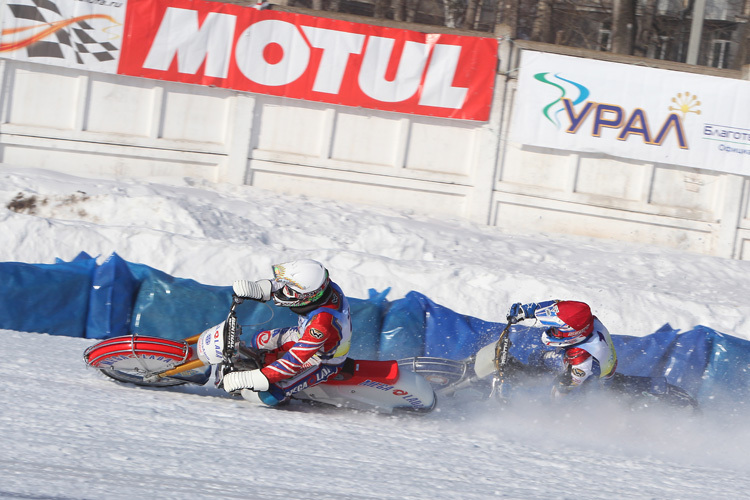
[{"x": 304, "y": 281}]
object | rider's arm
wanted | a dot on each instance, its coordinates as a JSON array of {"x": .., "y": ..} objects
[
  {"x": 582, "y": 365},
  {"x": 521, "y": 311}
]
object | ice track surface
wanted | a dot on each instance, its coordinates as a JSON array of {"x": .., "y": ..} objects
[{"x": 70, "y": 433}]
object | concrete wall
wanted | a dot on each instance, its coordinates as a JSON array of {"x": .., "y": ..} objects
[
  {"x": 101, "y": 125},
  {"x": 598, "y": 195}
]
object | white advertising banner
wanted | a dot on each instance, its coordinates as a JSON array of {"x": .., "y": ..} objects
[
  {"x": 84, "y": 34},
  {"x": 635, "y": 112}
]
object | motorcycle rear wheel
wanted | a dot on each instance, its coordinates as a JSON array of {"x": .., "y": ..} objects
[{"x": 654, "y": 391}]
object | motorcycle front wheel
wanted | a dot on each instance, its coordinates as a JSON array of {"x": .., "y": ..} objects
[{"x": 138, "y": 359}]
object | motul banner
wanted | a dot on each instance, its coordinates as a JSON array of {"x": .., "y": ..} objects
[
  {"x": 266, "y": 52},
  {"x": 311, "y": 58}
]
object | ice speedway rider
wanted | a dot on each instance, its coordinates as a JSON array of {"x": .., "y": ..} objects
[
  {"x": 301, "y": 356},
  {"x": 583, "y": 352}
]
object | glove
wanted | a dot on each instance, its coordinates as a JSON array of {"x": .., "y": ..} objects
[
  {"x": 256, "y": 290},
  {"x": 565, "y": 379},
  {"x": 519, "y": 312},
  {"x": 251, "y": 379},
  {"x": 563, "y": 385}
]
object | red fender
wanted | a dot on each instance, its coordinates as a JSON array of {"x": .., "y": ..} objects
[
  {"x": 378, "y": 371},
  {"x": 136, "y": 346}
]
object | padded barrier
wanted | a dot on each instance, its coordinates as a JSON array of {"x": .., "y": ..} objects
[
  {"x": 83, "y": 299},
  {"x": 47, "y": 298},
  {"x": 111, "y": 299}
]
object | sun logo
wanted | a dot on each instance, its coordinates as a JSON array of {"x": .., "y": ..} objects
[{"x": 686, "y": 103}]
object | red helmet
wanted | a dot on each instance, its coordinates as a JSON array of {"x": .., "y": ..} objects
[{"x": 570, "y": 322}]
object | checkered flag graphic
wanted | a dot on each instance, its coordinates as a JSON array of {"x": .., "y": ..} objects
[{"x": 75, "y": 41}]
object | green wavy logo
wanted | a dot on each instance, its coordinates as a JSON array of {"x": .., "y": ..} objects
[{"x": 552, "y": 110}]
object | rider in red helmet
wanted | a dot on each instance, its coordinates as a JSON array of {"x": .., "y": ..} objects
[
  {"x": 301, "y": 356},
  {"x": 583, "y": 349}
]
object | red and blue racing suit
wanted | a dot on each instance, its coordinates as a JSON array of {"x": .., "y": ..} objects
[
  {"x": 593, "y": 359},
  {"x": 310, "y": 353}
]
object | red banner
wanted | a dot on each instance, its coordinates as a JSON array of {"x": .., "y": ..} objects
[{"x": 310, "y": 58}]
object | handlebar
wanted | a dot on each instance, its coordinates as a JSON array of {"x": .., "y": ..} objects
[{"x": 232, "y": 331}]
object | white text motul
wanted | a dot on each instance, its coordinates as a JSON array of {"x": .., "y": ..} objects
[{"x": 180, "y": 36}]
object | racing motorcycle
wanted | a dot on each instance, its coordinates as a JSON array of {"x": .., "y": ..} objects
[
  {"x": 497, "y": 375},
  {"x": 379, "y": 386}
]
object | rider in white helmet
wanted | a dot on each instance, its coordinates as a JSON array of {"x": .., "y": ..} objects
[
  {"x": 302, "y": 356},
  {"x": 583, "y": 347}
]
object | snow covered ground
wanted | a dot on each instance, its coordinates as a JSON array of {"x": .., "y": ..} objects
[{"x": 67, "y": 432}]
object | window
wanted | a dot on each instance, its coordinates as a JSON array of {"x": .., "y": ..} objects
[
  {"x": 720, "y": 46},
  {"x": 605, "y": 37}
]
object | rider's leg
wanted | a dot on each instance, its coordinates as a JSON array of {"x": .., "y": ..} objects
[{"x": 280, "y": 392}]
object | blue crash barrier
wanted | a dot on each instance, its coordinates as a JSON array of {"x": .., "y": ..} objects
[
  {"x": 83, "y": 299},
  {"x": 47, "y": 298},
  {"x": 113, "y": 290},
  {"x": 417, "y": 326}
]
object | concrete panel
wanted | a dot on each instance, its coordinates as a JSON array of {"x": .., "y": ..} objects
[
  {"x": 539, "y": 167},
  {"x": 194, "y": 113},
  {"x": 580, "y": 220},
  {"x": 606, "y": 176},
  {"x": 98, "y": 160},
  {"x": 353, "y": 188},
  {"x": 291, "y": 127},
  {"x": 368, "y": 138},
  {"x": 446, "y": 147},
  {"x": 744, "y": 246},
  {"x": 128, "y": 107},
  {"x": 43, "y": 96},
  {"x": 686, "y": 188}
]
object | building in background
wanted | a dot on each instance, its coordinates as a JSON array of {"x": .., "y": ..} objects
[{"x": 655, "y": 29}]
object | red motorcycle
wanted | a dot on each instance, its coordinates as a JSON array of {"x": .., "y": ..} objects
[{"x": 369, "y": 385}]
